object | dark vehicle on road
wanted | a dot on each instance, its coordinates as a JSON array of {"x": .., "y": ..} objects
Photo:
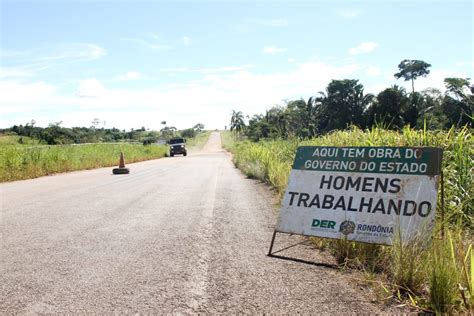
[{"x": 178, "y": 146}]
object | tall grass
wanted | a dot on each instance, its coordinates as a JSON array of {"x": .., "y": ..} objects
[
  {"x": 25, "y": 162},
  {"x": 437, "y": 276},
  {"x": 17, "y": 140},
  {"x": 198, "y": 141}
]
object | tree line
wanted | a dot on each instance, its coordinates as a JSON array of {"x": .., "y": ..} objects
[
  {"x": 344, "y": 103},
  {"x": 55, "y": 134}
]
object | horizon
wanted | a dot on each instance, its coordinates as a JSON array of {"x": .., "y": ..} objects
[{"x": 138, "y": 64}]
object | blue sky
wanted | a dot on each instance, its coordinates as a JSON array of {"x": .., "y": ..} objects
[{"x": 137, "y": 63}]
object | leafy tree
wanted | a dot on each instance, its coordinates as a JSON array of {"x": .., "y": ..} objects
[
  {"x": 237, "y": 124},
  {"x": 411, "y": 112},
  {"x": 461, "y": 88},
  {"x": 198, "y": 127},
  {"x": 301, "y": 118},
  {"x": 188, "y": 133},
  {"x": 387, "y": 110},
  {"x": 95, "y": 123},
  {"x": 458, "y": 104},
  {"x": 293, "y": 116},
  {"x": 168, "y": 132},
  {"x": 343, "y": 104},
  {"x": 259, "y": 127},
  {"x": 275, "y": 117},
  {"x": 431, "y": 112},
  {"x": 412, "y": 69},
  {"x": 57, "y": 135}
]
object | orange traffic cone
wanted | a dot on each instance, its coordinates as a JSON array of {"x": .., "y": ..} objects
[
  {"x": 122, "y": 160},
  {"x": 121, "y": 168}
]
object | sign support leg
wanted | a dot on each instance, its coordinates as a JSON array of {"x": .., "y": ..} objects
[
  {"x": 271, "y": 244},
  {"x": 442, "y": 204}
]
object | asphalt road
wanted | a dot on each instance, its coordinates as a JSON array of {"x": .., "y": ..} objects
[{"x": 183, "y": 235}]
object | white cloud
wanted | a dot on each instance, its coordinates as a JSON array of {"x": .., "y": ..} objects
[
  {"x": 90, "y": 88},
  {"x": 186, "y": 40},
  {"x": 74, "y": 51},
  {"x": 15, "y": 95},
  {"x": 373, "y": 71},
  {"x": 465, "y": 64},
  {"x": 363, "y": 48},
  {"x": 376, "y": 88},
  {"x": 273, "y": 50},
  {"x": 208, "y": 100},
  {"x": 56, "y": 53},
  {"x": 291, "y": 60},
  {"x": 30, "y": 62},
  {"x": 348, "y": 13},
  {"x": 131, "y": 75},
  {"x": 208, "y": 70},
  {"x": 14, "y": 72}
]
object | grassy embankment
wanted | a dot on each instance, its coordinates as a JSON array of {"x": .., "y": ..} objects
[
  {"x": 30, "y": 160},
  {"x": 438, "y": 277},
  {"x": 199, "y": 141}
]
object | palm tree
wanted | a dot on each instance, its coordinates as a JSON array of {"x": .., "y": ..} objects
[{"x": 237, "y": 124}]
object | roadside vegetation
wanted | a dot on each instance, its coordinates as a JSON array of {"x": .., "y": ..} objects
[
  {"x": 17, "y": 162},
  {"x": 437, "y": 276},
  {"x": 55, "y": 134},
  {"x": 198, "y": 141},
  {"x": 25, "y": 154}
]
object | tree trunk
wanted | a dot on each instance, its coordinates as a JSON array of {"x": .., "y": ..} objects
[{"x": 412, "y": 85}]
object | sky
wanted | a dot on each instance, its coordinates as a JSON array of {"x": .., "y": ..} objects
[{"x": 138, "y": 63}]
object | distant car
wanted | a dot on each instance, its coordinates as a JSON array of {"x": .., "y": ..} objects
[{"x": 178, "y": 146}]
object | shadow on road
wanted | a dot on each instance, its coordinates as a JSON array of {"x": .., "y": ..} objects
[{"x": 318, "y": 264}]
